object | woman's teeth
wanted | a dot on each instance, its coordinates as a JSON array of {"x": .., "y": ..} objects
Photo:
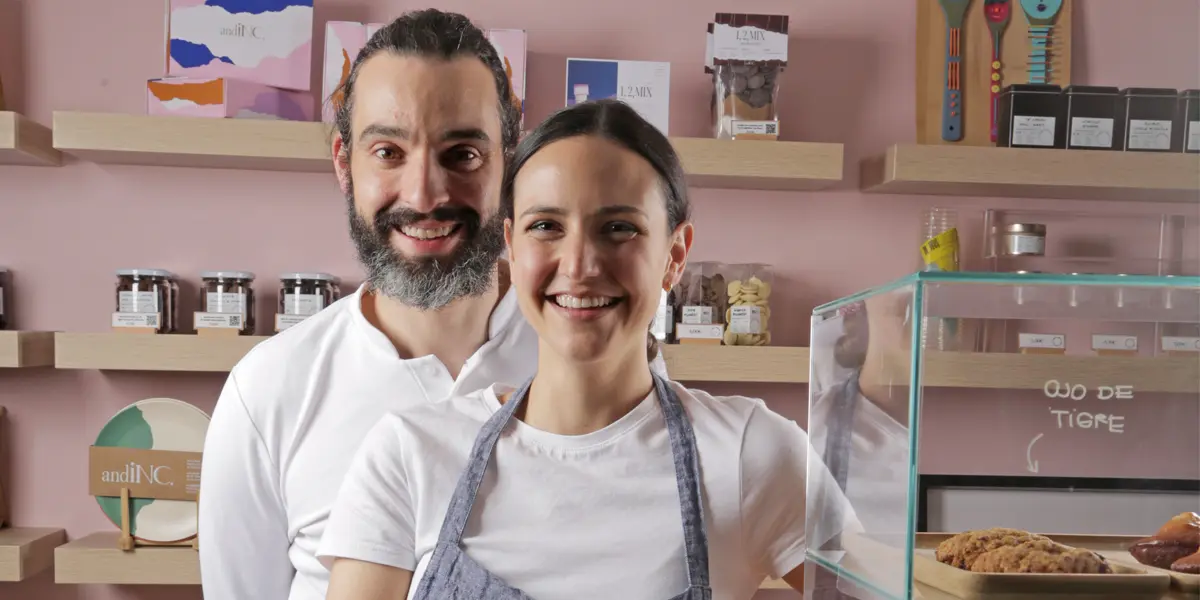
[
  {"x": 568, "y": 301},
  {"x": 423, "y": 233}
]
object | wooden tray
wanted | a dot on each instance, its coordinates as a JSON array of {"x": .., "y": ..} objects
[{"x": 1127, "y": 582}]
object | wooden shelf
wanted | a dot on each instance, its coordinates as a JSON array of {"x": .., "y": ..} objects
[
  {"x": 96, "y": 559},
  {"x": 27, "y": 551},
  {"x": 24, "y": 142},
  {"x": 296, "y": 146},
  {"x": 775, "y": 364},
  {"x": 26, "y": 349},
  {"x": 759, "y": 165},
  {"x": 1031, "y": 173},
  {"x": 148, "y": 352},
  {"x": 1010, "y": 371},
  {"x": 257, "y": 144}
]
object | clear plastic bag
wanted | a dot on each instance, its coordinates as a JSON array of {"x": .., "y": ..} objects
[
  {"x": 748, "y": 296},
  {"x": 745, "y": 100},
  {"x": 701, "y": 294}
]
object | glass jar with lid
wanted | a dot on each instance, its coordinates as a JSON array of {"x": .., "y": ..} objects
[
  {"x": 145, "y": 298},
  {"x": 225, "y": 293},
  {"x": 303, "y": 294}
]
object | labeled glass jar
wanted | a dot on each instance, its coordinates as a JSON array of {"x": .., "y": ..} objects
[
  {"x": 1032, "y": 115},
  {"x": 1022, "y": 239},
  {"x": 1189, "y": 115},
  {"x": 229, "y": 293},
  {"x": 748, "y": 293},
  {"x": 302, "y": 295},
  {"x": 1092, "y": 118},
  {"x": 145, "y": 298},
  {"x": 5, "y": 302},
  {"x": 1150, "y": 120}
]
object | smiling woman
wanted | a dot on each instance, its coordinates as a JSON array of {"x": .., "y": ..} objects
[{"x": 596, "y": 458}]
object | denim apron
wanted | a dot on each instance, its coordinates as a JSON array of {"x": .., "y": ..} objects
[{"x": 452, "y": 575}]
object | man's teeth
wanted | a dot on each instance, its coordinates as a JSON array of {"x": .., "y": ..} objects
[
  {"x": 422, "y": 233},
  {"x": 568, "y": 301}
]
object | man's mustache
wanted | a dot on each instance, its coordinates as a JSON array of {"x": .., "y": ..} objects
[{"x": 400, "y": 217}]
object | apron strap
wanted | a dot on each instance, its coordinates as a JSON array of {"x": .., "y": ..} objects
[
  {"x": 687, "y": 478},
  {"x": 481, "y": 454}
]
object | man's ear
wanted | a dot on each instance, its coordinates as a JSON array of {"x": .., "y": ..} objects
[{"x": 341, "y": 162}]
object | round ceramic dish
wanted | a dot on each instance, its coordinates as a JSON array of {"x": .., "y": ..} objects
[{"x": 155, "y": 424}]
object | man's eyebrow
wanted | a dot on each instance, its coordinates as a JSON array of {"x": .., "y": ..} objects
[
  {"x": 377, "y": 129},
  {"x": 466, "y": 133}
]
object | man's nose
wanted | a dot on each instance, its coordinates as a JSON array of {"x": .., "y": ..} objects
[{"x": 423, "y": 185}]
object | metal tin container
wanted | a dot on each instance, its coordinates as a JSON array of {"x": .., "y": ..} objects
[{"x": 1023, "y": 239}]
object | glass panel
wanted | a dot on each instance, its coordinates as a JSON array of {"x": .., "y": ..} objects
[
  {"x": 859, "y": 410},
  {"x": 1062, "y": 405}
]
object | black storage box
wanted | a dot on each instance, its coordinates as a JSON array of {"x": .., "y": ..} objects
[
  {"x": 1092, "y": 122},
  {"x": 1150, "y": 118},
  {"x": 1032, "y": 116}
]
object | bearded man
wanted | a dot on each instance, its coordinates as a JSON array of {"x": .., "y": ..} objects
[{"x": 419, "y": 150}]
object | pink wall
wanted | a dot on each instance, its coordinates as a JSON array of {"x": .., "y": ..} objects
[{"x": 63, "y": 231}]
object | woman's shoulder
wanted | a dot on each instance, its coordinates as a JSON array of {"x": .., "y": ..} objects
[{"x": 745, "y": 414}]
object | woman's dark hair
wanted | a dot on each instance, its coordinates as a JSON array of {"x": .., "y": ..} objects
[
  {"x": 615, "y": 121},
  {"x": 431, "y": 33}
]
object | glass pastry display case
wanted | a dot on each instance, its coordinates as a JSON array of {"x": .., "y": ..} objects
[{"x": 1060, "y": 460}]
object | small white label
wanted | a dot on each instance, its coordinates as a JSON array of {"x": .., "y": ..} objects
[
  {"x": 745, "y": 319},
  {"x": 285, "y": 321},
  {"x": 137, "y": 302},
  {"x": 140, "y": 320},
  {"x": 1091, "y": 133},
  {"x": 1149, "y": 135},
  {"x": 1193, "y": 139},
  {"x": 755, "y": 127},
  {"x": 226, "y": 302},
  {"x": 211, "y": 320},
  {"x": 1180, "y": 344},
  {"x": 748, "y": 43},
  {"x": 703, "y": 332},
  {"x": 1028, "y": 244},
  {"x": 1114, "y": 342},
  {"x": 1042, "y": 340},
  {"x": 1033, "y": 131},
  {"x": 303, "y": 304},
  {"x": 697, "y": 315}
]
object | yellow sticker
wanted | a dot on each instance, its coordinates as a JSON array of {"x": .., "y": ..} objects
[{"x": 941, "y": 252}]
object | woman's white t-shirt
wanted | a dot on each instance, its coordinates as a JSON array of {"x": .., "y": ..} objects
[{"x": 594, "y": 516}]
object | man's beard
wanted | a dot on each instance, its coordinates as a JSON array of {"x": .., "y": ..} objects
[{"x": 434, "y": 282}]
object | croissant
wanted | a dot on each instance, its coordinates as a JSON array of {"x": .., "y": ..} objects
[{"x": 1178, "y": 538}]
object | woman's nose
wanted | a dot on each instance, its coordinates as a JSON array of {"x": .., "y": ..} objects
[{"x": 580, "y": 257}]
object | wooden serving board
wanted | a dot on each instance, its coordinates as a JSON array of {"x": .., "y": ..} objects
[
  {"x": 1127, "y": 582},
  {"x": 977, "y": 66}
]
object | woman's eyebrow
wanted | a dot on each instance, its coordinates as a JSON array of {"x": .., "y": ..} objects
[{"x": 604, "y": 210}]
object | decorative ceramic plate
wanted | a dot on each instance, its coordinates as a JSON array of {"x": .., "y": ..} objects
[{"x": 155, "y": 424}]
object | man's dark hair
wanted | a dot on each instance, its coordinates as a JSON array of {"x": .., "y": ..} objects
[{"x": 431, "y": 33}]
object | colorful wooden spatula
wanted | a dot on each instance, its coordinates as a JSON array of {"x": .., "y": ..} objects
[
  {"x": 952, "y": 97},
  {"x": 1041, "y": 15},
  {"x": 998, "y": 13}
]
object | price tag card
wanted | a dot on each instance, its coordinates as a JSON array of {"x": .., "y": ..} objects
[
  {"x": 1173, "y": 344},
  {"x": 1042, "y": 343},
  {"x": 1114, "y": 344},
  {"x": 714, "y": 333}
]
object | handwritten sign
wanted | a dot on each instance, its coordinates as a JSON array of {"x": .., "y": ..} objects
[{"x": 1075, "y": 418}]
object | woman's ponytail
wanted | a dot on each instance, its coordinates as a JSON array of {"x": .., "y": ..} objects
[{"x": 651, "y": 346}]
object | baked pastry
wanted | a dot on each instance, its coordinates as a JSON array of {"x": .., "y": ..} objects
[
  {"x": 1189, "y": 564},
  {"x": 962, "y": 549},
  {"x": 1178, "y": 538},
  {"x": 1040, "y": 556}
]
